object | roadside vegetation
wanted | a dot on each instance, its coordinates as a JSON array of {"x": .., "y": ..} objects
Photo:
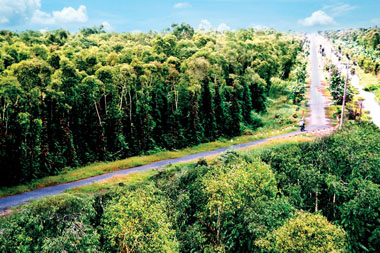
[
  {"x": 335, "y": 82},
  {"x": 99, "y": 168},
  {"x": 336, "y": 90},
  {"x": 321, "y": 195},
  {"x": 362, "y": 46},
  {"x": 372, "y": 83}
]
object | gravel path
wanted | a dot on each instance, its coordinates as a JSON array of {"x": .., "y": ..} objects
[{"x": 316, "y": 121}]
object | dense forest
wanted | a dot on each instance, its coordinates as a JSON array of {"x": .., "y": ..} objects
[
  {"x": 71, "y": 99},
  {"x": 319, "y": 196}
]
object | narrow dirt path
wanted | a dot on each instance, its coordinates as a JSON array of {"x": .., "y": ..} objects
[{"x": 316, "y": 121}]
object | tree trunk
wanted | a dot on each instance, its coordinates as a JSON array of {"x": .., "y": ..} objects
[
  {"x": 130, "y": 106},
  {"x": 218, "y": 227},
  {"x": 334, "y": 205},
  {"x": 316, "y": 201},
  {"x": 97, "y": 112},
  {"x": 121, "y": 98}
]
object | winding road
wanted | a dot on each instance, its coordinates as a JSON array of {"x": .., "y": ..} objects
[{"x": 317, "y": 120}]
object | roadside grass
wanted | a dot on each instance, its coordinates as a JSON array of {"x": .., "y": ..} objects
[
  {"x": 281, "y": 117},
  {"x": 371, "y": 82},
  {"x": 144, "y": 177},
  {"x": 277, "y": 120},
  {"x": 331, "y": 113},
  {"x": 330, "y": 108},
  {"x": 100, "y": 168},
  {"x": 283, "y": 112},
  {"x": 301, "y": 138},
  {"x": 120, "y": 180}
]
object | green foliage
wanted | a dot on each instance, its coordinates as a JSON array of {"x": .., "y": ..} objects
[
  {"x": 255, "y": 120},
  {"x": 266, "y": 217},
  {"x": 56, "y": 224},
  {"x": 231, "y": 190},
  {"x": 93, "y": 30},
  {"x": 72, "y": 99},
  {"x": 338, "y": 176},
  {"x": 137, "y": 222},
  {"x": 298, "y": 89},
  {"x": 360, "y": 215},
  {"x": 183, "y": 31},
  {"x": 297, "y": 93},
  {"x": 305, "y": 233},
  {"x": 224, "y": 206},
  {"x": 278, "y": 87},
  {"x": 235, "y": 203},
  {"x": 337, "y": 87}
]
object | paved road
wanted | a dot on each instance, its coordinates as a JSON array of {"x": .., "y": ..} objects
[
  {"x": 316, "y": 121},
  {"x": 16, "y": 200},
  {"x": 317, "y": 101},
  {"x": 370, "y": 103}
]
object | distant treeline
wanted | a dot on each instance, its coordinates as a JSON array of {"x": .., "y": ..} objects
[{"x": 71, "y": 99}]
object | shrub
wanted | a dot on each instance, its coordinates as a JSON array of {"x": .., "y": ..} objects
[
  {"x": 137, "y": 222},
  {"x": 305, "y": 232},
  {"x": 55, "y": 224}
]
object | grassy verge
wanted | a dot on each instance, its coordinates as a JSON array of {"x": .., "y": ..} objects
[
  {"x": 371, "y": 82},
  {"x": 283, "y": 113},
  {"x": 106, "y": 167},
  {"x": 103, "y": 186},
  {"x": 143, "y": 177},
  {"x": 331, "y": 109},
  {"x": 278, "y": 119}
]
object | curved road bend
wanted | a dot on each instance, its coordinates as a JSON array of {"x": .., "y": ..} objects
[{"x": 317, "y": 120}]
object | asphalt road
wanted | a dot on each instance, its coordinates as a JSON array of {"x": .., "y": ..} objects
[
  {"x": 317, "y": 102},
  {"x": 317, "y": 120},
  {"x": 19, "y": 199}
]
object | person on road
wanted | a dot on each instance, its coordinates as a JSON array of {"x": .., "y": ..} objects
[{"x": 302, "y": 125}]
